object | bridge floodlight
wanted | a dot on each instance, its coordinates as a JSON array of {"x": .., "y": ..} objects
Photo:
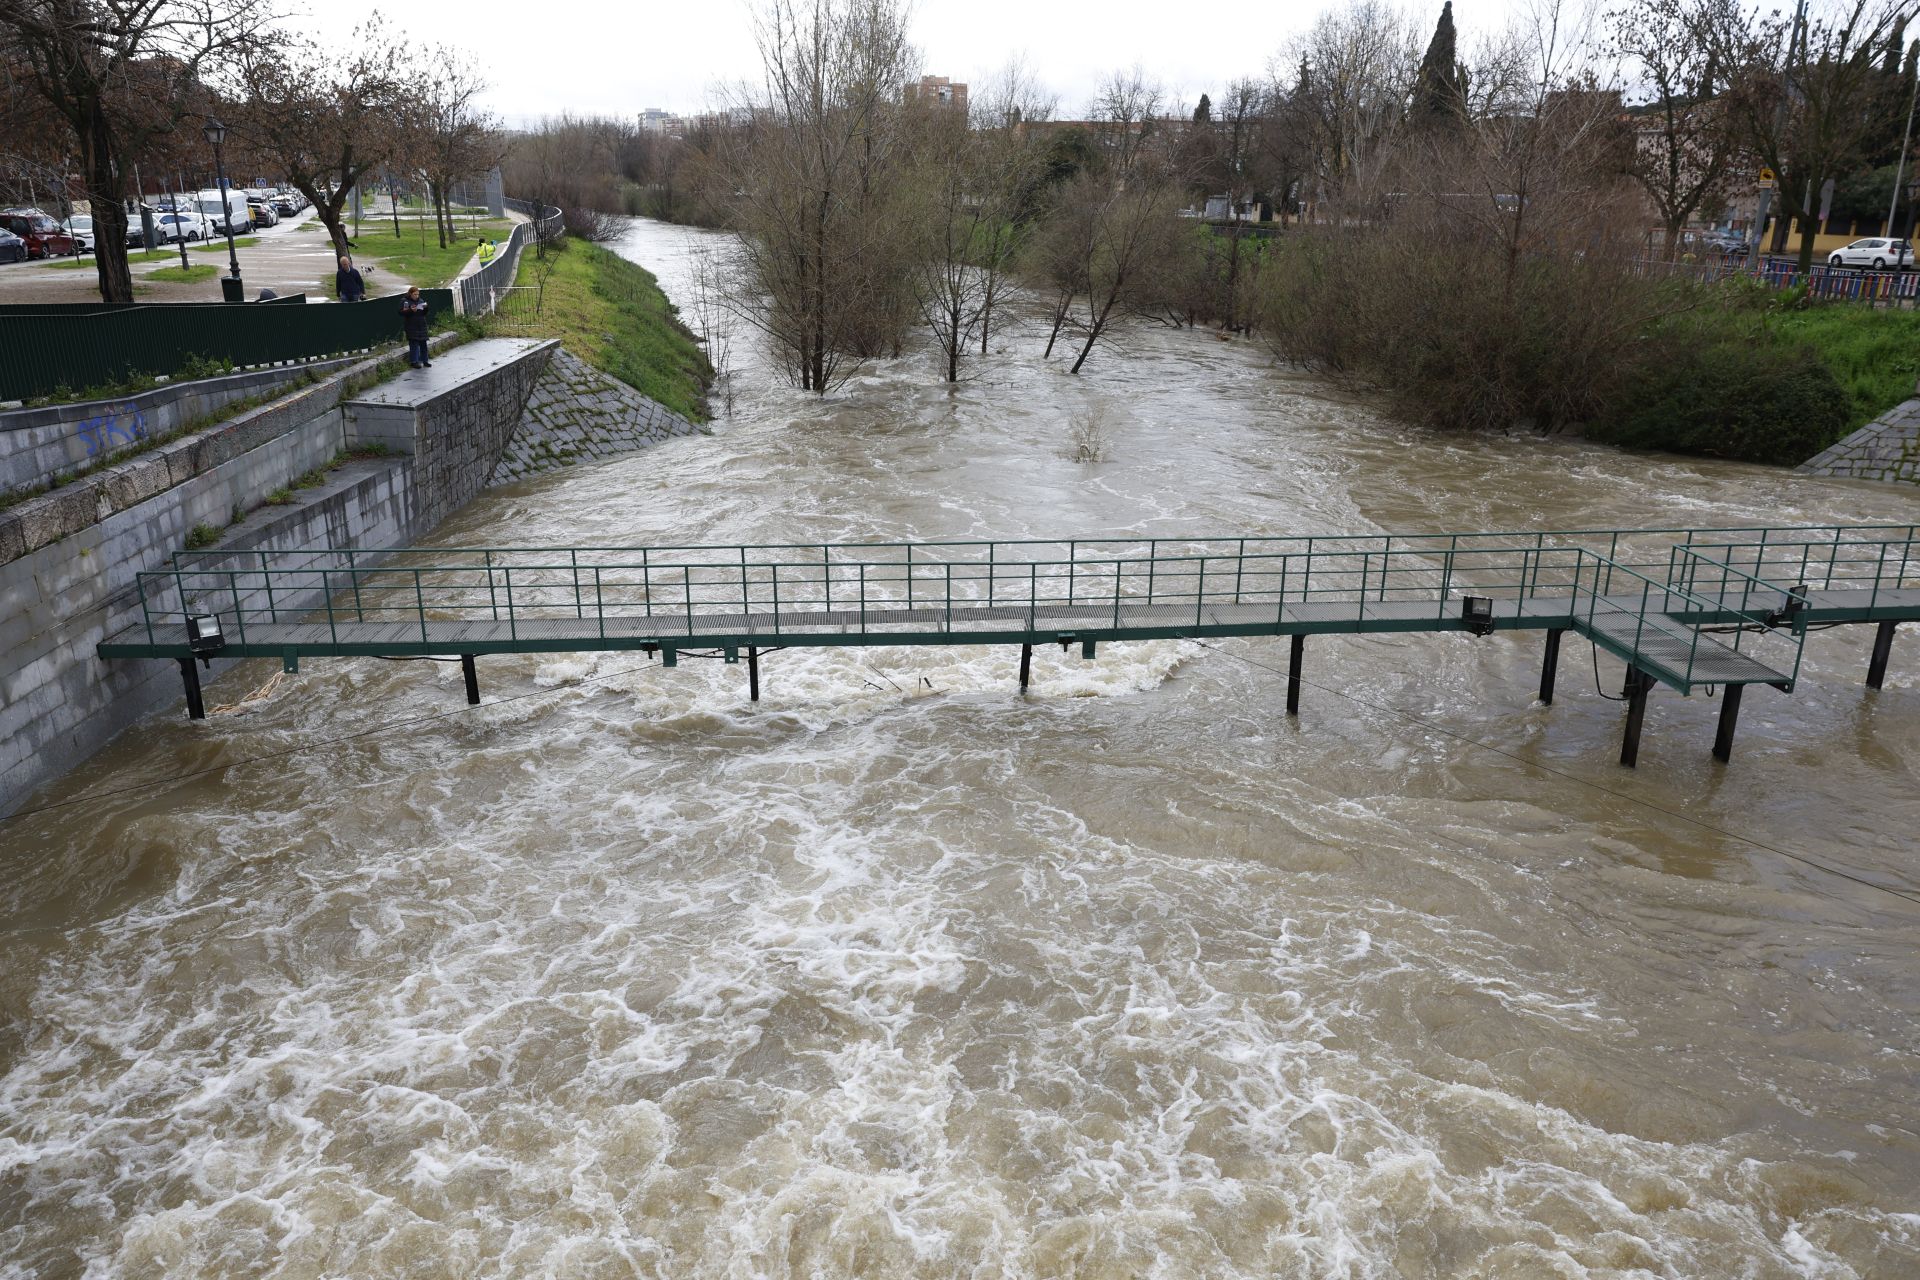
[
  {"x": 204, "y": 636},
  {"x": 1477, "y": 613}
]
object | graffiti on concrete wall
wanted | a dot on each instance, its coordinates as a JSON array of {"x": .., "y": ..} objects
[{"x": 121, "y": 423}]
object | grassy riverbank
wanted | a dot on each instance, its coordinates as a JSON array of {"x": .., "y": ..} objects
[
  {"x": 1764, "y": 378},
  {"x": 612, "y": 314}
]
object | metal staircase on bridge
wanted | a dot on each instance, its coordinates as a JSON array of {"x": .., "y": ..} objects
[{"x": 1723, "y": 608}]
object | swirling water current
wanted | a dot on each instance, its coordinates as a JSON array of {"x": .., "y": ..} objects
[{"x": 899, "y": 974}]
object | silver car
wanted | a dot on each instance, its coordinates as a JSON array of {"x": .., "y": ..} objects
[{"x": 1875, "y": 254}]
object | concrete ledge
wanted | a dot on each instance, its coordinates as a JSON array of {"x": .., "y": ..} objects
[{"x": 39, "y": 521}]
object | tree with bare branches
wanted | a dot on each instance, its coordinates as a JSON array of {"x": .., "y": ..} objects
[
  {"x": 324, "y": 119},
  {"x": 122, "y": 75}
]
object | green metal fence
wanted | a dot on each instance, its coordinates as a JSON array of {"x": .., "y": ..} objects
[{"x": 44, "y": 350}]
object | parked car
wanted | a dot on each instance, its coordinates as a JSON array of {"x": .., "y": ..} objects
[
  {"x": 1725, "y": 243},
  {"x": 1874, "y": 254},
  {"x": 221, "y": 207},
  {"x": 80, "y": 227},
  {"x": 284, "y": 206},
  {"x": 171, "y": 228},
  {"x": 263, "y": 213},
  {"x": 12, "y": 247},
  {"x": 43, "y": 235}
]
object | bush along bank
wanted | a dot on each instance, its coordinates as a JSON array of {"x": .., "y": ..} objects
[
  {"x": 1570, "y": 344},
  {"x": 1763, "y": 379},
  {"x": 612, "y": 314}
]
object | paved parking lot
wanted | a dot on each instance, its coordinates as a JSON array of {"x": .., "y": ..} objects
[{"x": 294, "y": 257}]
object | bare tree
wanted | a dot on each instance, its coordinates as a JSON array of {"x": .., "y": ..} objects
[
  {"x": 1102, "y": 248},
  {"x": 1807, "y": 99},
  {"x": 121, "y": 75},
  {"x": 1684, "y": 145},
  {"x": 458, "y": 139},
  {"x": 814, "y": 183},
  {"x": 323, "y": 119}
]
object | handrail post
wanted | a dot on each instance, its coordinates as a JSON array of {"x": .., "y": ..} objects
[
  {"x": 573, "y": 555},
  {"x": 420, "y": 603},
  {"x": 1153, "y": 554},
  {"x": 776, "y": 597},
  {"x": 1073, "y": 556},
  {"x": 326, "y": 591},
  {"x": 1239, "y": 567},
  {"x": 493, "y": 601},
  {"x": 1119, "y": 566},
  {"x": 686, "y": 585},
  {"x": 599, "y": 604},
  {"x": 513, "y": 619},
  {"x": 233, "y": 589},
  {"x": 1446, "y": 582},
  {"x": 353, "y": 572},
  {"x": 266, "y": 583},
  {"x": 646, "y": 582},
  {"x": 1200, "y": 596},
  {"x": 863, "y": 595},
  {"x": 1033, "y": 593},
  {"x": 949, "y": 595}
]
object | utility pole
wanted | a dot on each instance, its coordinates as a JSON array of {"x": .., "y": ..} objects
[{"x": 1899, "y": 170}]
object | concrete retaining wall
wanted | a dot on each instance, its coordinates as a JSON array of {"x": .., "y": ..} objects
[
  {"x": 68, "y": 567},
  {"x": 1888, "y": 448},
  {"x": 36, "y": 445},
  {"x": 578, "y": 414}
]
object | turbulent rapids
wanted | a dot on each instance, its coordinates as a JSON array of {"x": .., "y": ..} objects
[{"x": 897, "y": 973}]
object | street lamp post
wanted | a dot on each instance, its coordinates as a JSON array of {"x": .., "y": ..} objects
[{"x": 231, "y": 289}]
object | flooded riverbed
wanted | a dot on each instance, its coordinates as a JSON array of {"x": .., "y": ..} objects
[{"x": 899, "y": 974}]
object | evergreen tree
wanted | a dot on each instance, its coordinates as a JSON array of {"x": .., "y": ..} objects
[
  {"x": 1203, "y": 112},
  {"x": 1439, "y": 93}
]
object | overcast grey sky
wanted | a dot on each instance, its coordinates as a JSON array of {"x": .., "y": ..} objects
[{"x": 610, "y": 57}]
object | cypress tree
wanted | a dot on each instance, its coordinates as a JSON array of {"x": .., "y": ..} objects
[
  {"x": 1203, "y": 112},
  {"x": 1438, "y": 96}
]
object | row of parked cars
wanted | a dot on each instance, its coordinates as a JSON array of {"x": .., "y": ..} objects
[{"x": 32, "y": 233}]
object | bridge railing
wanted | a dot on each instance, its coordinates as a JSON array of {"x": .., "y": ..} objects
[
  {"x": 956, "y": 585},
  {"x": 1876, "y": 566},
  {"x": 1687, "y": 633}
]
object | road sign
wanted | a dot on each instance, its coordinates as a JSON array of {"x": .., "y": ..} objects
[{"x": 1766, "y": 179}]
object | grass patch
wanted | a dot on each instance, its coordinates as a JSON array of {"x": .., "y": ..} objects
[
  {"x": 185, "y": 275},
  {"x": 1874, "y": 354},
  {"x": 219, "y": 244},
  {"x": 201, "y": 535},
  {"x": 415, "y": 255},
  {"x": 611, "y": 313}
]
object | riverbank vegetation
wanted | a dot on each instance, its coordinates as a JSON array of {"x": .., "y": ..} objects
[
  {"x": 612, "y": 314},
  {"x": 1462, "y": 233}
]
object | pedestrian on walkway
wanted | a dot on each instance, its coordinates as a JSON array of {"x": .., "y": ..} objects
[
  {"x": 347, "y": 282},
  {"x": 413, "y": 318}
]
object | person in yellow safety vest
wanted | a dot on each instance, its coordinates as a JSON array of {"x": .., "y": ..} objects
[{"x": 487, "y": 249}]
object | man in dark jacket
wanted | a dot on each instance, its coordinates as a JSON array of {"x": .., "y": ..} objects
[
  {"x": 413, "y": 318},
  {"x": 347, "y": 282}
]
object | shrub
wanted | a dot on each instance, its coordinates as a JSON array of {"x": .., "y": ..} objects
[{"x": 1728, "y": 397}]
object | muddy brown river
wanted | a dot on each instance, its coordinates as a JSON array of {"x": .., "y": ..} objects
[{"x": 900, "y": 974}]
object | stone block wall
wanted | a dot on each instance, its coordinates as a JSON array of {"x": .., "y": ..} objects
[
  {"x": 1888, "y": 448},
  {"x": 38, "y": 444},
  {"x": 578, "y": 414}
]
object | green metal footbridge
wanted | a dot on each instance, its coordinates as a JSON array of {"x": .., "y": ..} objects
[{"x": 1720, "y": 608}]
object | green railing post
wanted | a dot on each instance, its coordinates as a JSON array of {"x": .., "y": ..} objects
[
  {"x": 686, "y": 584},
  {"x": 1200, "y": 597},
  {"x": 326, "y": 590},
  {"x": 863, "y": 595},
  {"x": 990, "y": 574},
  {"x": 746, "y": 603},
  {"x": 579, "y": 611},
  {"x": 493, "y": 601},
  {"x": 1033, "y": 594},
  {"x": 353, "y": 572},
  {"x": 1239, "y": 567},
  {"x": 513, "y": 619},
  {"x": 266, "y": 582},
  {"x": 599, "y": 604},
  {"x": 646, "y": 582},
  {"x": 420, "y": 603},
  {"x": 1118, "y": 567},
  {"x": 949, "y": 595},
  {"x": 776, "y": 597},
  {"x": 826, "y": 580},
  {"x": 239, "y": 620},
  {"x": 1073, "y": 557},
  {"x": 1153, "y": 556}
]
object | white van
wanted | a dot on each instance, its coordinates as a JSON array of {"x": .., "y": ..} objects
[{"x": 219, "y": 207}]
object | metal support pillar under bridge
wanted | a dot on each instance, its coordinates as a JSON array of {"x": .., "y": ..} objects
[{"x": 1718, "y": 609}]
